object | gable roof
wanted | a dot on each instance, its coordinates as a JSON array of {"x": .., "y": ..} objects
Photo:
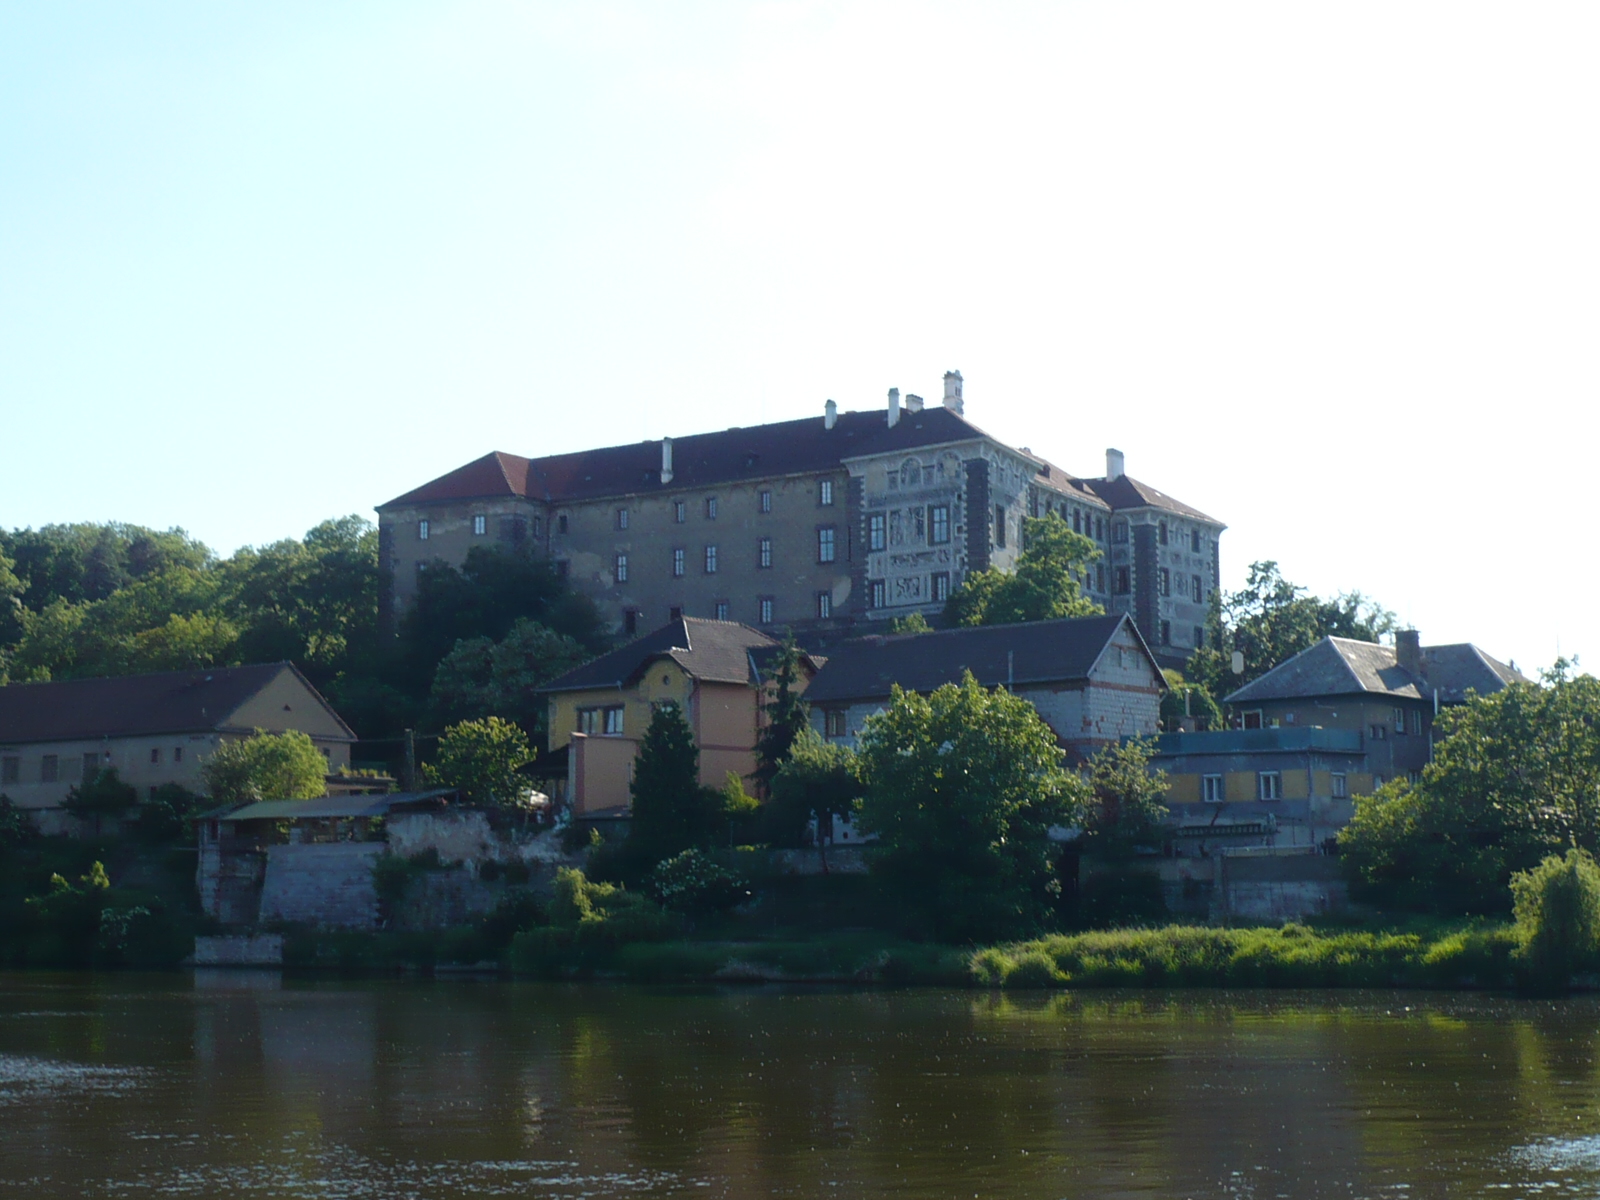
[
  {"x": 138, "y": 705},
  {"x": 1038, "y": 652},
  {"x": 1127, "y": 492},
  {"x": 713, "y": 651},
  {"x": 1345, "y": 667},
  {"x": 699, "y": 461}
]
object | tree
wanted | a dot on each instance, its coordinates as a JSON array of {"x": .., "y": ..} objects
[
  {"x": 913, "y": 623},
  {"x": 787, "y": 715},
  {"x": 483, "y": 760},
  {"x": 1047, "y": 584},
  {"x": 101, "y": 795},
  {"x": 671, "y": 811},
  {"x": 1127, "y": 800},
  {"x": 816, "y": 782},
  {"x": 1557, "y": 906},
  {"x": 962, "y": 787},
  {"x": 1515, "y": 777},
  {"x": 481, "y": 677},
  {"x": 266, "y": 766},
  {"x": 1190, "y": 703},
  {"x": 1270, "y": 620}
]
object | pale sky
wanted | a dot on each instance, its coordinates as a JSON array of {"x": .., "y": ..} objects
[{"x": 1327, "y": 272}]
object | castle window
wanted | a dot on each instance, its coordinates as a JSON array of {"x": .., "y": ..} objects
[
  {"x": 876, "y": 531},
  {"x": 879, "y": 593},
  {"x": 1077, "y": 520},
  {"x": 1119, "y": 532},
  {"x": 630, "y": 622},
  {"x": 1100, "y": 577},
  {"x": 825, "y": 491},
  {"x": 939, "y": 524},
  {"x": 1199, "y": 637},
  {"x": 766, "y": 610},
  {"x": 711, "y": 560},
  {"x": 622, "y": 518},
  {"x": 422, "y": 531},
  {"x": 765, "y": 552},
  {"x": 1124, "y": 582},
  {"x": 766, "y": 501},
  {"x": 824, "y": 605},
  {"x": 680, "y": 511},
  {"x": 825, "y": 544},
  {"x": 1194, "y": 541},
  {"x": 621, "y": 571},
  {"x": 1000, "y": 526},
  {"x": 1199, "y": 592},
  {"x": 711, "y": 508},
  {"x": 941, "y": 586},
  {"x": 1166, "y": 582},
  {"x": 1161, "y": 532},
  {"x": 480, "y": 525},
  {"x": 1166, "y": 633},
  {"x": 721, "y": 610},
  {"x": 677, "y": 564},
  {"x": 561, "y": 523}
]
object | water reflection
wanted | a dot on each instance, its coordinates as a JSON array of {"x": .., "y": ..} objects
[{"x": 246, "y": 1084}]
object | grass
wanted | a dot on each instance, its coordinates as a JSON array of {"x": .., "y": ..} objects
[{"x": 1291, "y": 956}]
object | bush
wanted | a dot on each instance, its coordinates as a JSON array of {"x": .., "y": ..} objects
[
  {"x": 692, "y": 883},
  {"x": 16, "y": 826},
  {"x": 1035, "y": 969},
  {"x": 168, "y": 814},
  {"x": 1557, "y": 907},
  {"x": 1122, "y": 897}
]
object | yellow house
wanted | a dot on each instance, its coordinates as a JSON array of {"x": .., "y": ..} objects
[{"x": 713, "y": 670}]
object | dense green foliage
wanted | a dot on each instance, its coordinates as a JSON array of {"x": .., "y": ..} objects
[
  {"x": 962, "y": 787},
  {"x": 671, "y": 811},
  {"x": 1515, "y": 777},
  {"x": 481, "y": 676},
  {"x": 1047, "y": 584},
  {"x": 1127, "y": 801},
  {"x": 102, "y": 796},
  {"x": 693, "y": 883},
  {"x": 266, "y": 766},
  {"x": 1270, "y": 620},
  {"x": 816, "y": 783},
  {"x": 484, "y": 761},
  {"x": 1189, "y": 705},
  {"x": 1293, "y": 956},
  {"x": 1557, "y": 906},
  {"x": 785, "y": 715}
]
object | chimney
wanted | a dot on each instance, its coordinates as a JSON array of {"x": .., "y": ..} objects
[
  {"x": 1408, "y": 651},
  {"x": 913, "y": 403},
  {"x": 952, "y": 392},
  {"x": 1113, "y": 465},
  {"x": 666, "y": 460},
  {"x": 894, "y": 407},
  {"x": 830, "y": 415}
]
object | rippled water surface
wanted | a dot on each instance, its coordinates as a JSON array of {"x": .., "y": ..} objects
[{"x": 246, "y": 1085}]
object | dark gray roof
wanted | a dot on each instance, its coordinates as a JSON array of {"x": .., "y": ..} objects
[
  {"x": 716, "y": 651},
  {"x": 1127, "y": 492},
  {"x": 1344, "y": 667},
  {"x": 137, "y": 705},
  {"x": 337, "y": 807},
  {"x": 1039, "y": 652}
]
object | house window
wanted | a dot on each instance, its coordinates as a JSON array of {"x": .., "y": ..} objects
[
  {"x": 825, "y": 545},
  {"x": 1414, "y": 777},
  {"x": 561, "y": 523},
  {"x": 480, "y": 525},
  {"x": 601, "y": 722},
  {"x": 1416, "y": 722},
  {"x": 833, "y": 722},
  {"x": 1211, "y": 789},
  {"x": 1161, "y": 532},
  {"x": 876, "y": 536},
  {"x": 766, "y": 610},
  {"x": 622, "y": 568},
  {"x": 825, "y": 491},
  {"x": 630, "y": 621},
  {"x": 1269, "y": 785},
  {"x": 155, "y": 754},
  {"x": 1252, "y": 719},
  {"x": 1400, "y": 722},
  {"x": 91, "y": 767},
  {"x": 177, "y": 754},
  {"x": 1119, "y": 532},
  {"x": 1379, "y": 732},
  {"x": 941, "y": 586},
  {"x": 711, "y": 508},
  {"x": 10, "y": 769},
  {"x": 677, "y": 564},
  {"x": 721, "y": 610},
  {"x": 49, "y": 769},
  {"x": 680, "y": 511},
  {"x": 1000, "y": 526},
  {"x": 622, "y": 518},
  {"x": 1124, "y": 583},
  {"x": 1166, "y": 633},
  {"x": 1166, "y": 582},
  {"x": 711, "y": 560},
  {"x": 1199, "y": 637},
  {"x": 765, "y": 552},
  {"x": 824, "y": 605},
  {"x": 1196, "y": 589},
  {"x": 422, "y": 531},
  {"x": 1194, "y": 541},
  {"x": 1340, "y": 788},
  {"x": 766, "y": 501}
]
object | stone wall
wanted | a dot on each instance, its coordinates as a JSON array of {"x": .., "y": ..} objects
[{"x": 321, "y": 884}]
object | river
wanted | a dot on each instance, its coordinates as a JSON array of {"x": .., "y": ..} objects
[{"x": 240, "y": 1084}]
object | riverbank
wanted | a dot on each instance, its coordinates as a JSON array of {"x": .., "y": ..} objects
[{"x": 1477, "y": 956}]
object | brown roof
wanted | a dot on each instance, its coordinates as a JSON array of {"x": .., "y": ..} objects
[
  {"x": 1127, "y": 492},
  {"x": 714, "y": 651},
  {"x": 1345, "y": 667},
  {"x": 136, "y": 705},
  {"x": 1039, "y": 652},
  {"x": 698, "y": 461}
]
